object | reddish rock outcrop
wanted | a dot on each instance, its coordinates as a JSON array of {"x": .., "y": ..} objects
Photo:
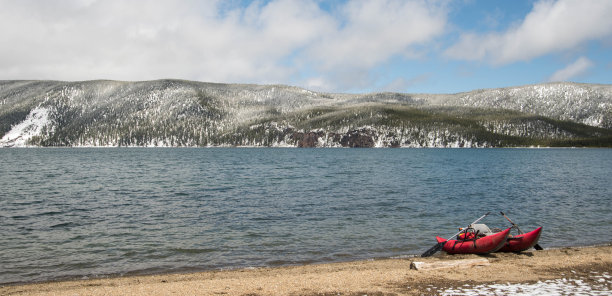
[
  {"x": 307, "y": 140},
  {"x": 362, "y": 138}
]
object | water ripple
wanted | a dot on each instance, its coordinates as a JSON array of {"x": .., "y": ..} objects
[{"x": 89, "y": 212}]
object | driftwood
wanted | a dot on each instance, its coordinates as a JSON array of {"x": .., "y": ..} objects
[{"x": 464, "y": 263}]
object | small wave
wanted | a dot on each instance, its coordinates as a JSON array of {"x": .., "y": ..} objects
[
  {"x": 25, "y": 202},
  {"x": 220, "y": 189},
  {"x": 267, "y": 218},
  {"x": 193, "y": 250},
  {"x": 254, "y": 235},
  {"x": 20, "y": 217},
  {"x": 342, "y": 255},
  {"x": 81, "y": 210},
  {"x": 64, "y": 225},
  {"x": 49, "y": 213}
]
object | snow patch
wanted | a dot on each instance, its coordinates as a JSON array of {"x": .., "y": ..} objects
[
  {"x": 594, "y": 120},
  {"x": 32, "y": 126},
  {"x": 562, "y": 286}
]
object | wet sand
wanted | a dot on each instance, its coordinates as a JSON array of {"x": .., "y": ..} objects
[{"x": 587, "y": 269}]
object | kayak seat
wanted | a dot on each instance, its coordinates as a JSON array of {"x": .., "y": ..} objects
[{"x": 483, "y": 229}]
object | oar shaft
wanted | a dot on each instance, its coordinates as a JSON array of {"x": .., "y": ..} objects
[
  {"x": 536, "y": 246},
  {"x": 470, "y": 224},
  {"x": 517, "y": 227}
]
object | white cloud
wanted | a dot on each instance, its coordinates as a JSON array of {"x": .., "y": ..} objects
[
  {"x": 133, "y": 40},
  {"x": 577, "y": 68},
  {"x": 265, "y": 42},
  {"x": 552, "y": 26},
  {"x": 375, "y": 30},
  {"x": 372, "y": 32}
]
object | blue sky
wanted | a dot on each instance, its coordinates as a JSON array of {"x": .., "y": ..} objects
[{"x": 413, "y": 46}]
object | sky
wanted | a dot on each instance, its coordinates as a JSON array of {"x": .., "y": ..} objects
[{"x": 411, "y": 46}]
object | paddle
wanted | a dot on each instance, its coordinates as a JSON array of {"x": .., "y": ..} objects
[
  {"x": 439, "y": 246},
  {"x": 537, "y": 246}
]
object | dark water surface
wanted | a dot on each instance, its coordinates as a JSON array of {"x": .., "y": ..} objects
[{"x": 90, "y": 212}]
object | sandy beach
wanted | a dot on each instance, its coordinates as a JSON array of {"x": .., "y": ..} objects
[{"x": 560, "y": 271}]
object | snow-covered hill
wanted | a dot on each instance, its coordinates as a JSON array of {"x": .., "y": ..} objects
[
  {"x": 187, "y": 113},
  {"x": 589, "y": 104}
]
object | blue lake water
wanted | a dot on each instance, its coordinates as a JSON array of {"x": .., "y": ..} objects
[{"x": 73, "y": 213}]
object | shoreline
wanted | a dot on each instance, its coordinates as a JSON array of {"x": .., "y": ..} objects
[
  {"x": 582, "y": 267},
  {"x": 194, "y": 269}
]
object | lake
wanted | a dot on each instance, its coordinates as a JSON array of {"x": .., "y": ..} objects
[{"x": 89, "y": 212}]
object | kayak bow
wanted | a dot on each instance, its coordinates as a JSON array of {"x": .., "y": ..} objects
[{"x": 522, "y": 242}]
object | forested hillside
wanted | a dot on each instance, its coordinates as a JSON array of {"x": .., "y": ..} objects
[{"x": 186, "y": 113}]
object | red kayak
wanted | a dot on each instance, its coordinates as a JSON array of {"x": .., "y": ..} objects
[
  {"x": 483, "y": 245},
  {"x": 522, "y": 242}
]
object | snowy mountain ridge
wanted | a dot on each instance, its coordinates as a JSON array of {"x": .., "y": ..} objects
[
  {"x": 585, "y": 103},
  {"x": 188, "y": 113}
]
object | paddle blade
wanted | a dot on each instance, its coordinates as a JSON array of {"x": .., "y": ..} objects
[
  {"x": 433, "y": 250},
  {"x": 538, "y": 247}
]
